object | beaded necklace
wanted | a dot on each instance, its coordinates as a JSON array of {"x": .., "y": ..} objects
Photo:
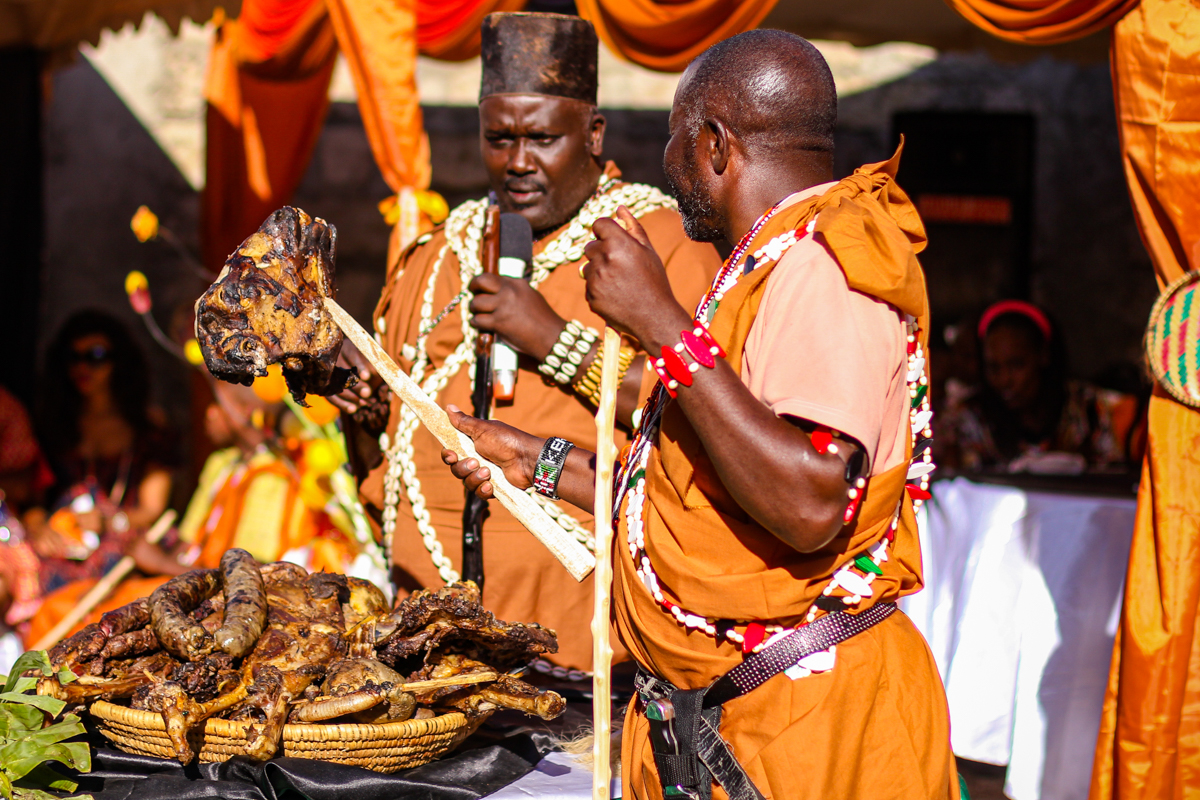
[
  {"x": 464, "y": 234},
  {"x": 856, "y": 575}
]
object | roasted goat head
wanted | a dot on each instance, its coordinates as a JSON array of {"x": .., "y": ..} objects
[{"x": 266, "y": 308}]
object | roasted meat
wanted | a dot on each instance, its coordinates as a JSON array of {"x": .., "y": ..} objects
[
  {"x": 361, "y": 689},
  {"x": 451, "y": 619},
  {"x": 271, "y": 644},
  {"x": 303, "y": 636},
  {"x": 266, "y": 308}
]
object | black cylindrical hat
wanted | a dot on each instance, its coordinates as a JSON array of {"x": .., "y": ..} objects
[{"x": 551, "y": 54}]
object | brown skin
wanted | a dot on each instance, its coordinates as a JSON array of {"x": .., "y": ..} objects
[
  {"x": 766, "y": 462},
  {"x": 543, "y": 156},
  {"x": 1013, "y": 365}
]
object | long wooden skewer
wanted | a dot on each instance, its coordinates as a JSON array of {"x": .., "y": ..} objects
[
  {"x": 568, "y": 550},
  {"x": 103, "y": 587},
  {"x": 606, "y": 455}
]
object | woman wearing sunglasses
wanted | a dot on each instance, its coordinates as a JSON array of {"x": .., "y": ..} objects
[{"x": 111, "y": 457}]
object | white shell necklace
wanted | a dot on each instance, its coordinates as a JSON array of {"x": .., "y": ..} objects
[{"x": 464, "y": 234}]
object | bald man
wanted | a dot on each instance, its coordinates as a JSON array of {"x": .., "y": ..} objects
[{"x": 766, "y": 521}]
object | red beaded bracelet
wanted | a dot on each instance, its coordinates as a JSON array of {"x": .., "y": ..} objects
[{"x": 673, "y": 370}]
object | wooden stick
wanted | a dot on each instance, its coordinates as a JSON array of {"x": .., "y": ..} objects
[
  {"x": 103, "y": 587},
  {"x": 566, "y": 548},
  {"x": 606, "y": 456}
]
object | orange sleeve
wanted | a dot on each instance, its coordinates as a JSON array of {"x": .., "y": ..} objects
[{"x": 822, "y": 352}]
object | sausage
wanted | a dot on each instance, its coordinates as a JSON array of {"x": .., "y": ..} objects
[
  {"x": 170, "y": 613},
  {"x": 245, "y": 603}
]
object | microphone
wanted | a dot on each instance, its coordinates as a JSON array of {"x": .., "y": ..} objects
[{"x": 516, "y": 260}]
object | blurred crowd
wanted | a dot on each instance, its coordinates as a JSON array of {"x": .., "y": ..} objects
[
  {"x": 89, "y": 472},
  {"x": 1004, "y": 403}
]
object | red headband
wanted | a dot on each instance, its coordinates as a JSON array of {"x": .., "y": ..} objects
[{"x": 1028, "y": 310}]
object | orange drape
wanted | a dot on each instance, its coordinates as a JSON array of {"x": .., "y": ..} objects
[
  {"x": 449, "y": 29},
  {"x": 1042, "y": 21},
  {"x": 267, "y": 90},
  {"x": 1149, "y": 743},
  {"x": 667, "y": 35},
  {"x": 379, "y": 41}
]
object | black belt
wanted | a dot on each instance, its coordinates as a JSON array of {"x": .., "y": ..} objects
[{"x": 689, "y": 751}]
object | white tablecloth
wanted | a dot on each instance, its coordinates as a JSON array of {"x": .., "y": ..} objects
[{"x": 1021, "y": 602}]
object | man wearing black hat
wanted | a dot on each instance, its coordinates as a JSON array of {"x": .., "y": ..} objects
[{"x": 542, "y": 143}]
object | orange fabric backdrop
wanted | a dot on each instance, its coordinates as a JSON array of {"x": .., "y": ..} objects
[
  {"x": 449, "y": 29},
  {"x": 267, "y": 90},
  {"x": 1042, "y": 21},
  {"x": 1149, "y": 743},
  {"x": 665, "y": 36}
]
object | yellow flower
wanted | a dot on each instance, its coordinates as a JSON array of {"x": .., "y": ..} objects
[
  {"x": 192, "y": 352},
  {"x": 271, "y": 387},
  {"x": 433, "y": 205},
  {"x": 136, "y": 281},
  {"x": 144, "y": 224},
  {"x": 389, "y": 207},
  {"x": 313, "y": 490},
  {"x": 320, "y": 411},
  {"x": 321, "y": 456},
  {"x": 138, "y": 289}
]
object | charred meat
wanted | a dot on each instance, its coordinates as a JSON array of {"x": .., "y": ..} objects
[{"x": 266, "y": 308}]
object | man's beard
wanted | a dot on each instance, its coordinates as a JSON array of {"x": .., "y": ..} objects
[{"x": 700, "y": 219}]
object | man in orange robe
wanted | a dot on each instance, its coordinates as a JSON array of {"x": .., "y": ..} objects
[
  {"x": 765, "y": 520},
  {"x": 542, "y": 144}
]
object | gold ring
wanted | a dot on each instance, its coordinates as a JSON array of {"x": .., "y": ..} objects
[{"x": 582, "y": 267}]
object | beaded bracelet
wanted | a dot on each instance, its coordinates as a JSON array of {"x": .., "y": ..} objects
[
  {"x": 589, "y": 384},
  {"x": 573, "y": 345},
  {"x": 673, "y": 370},
  {"x": 558, "y": 353}
]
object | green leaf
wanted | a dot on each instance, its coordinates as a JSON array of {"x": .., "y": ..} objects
[
  {"x": 34, "y": 659},
  {"x": 24, "y": 685},
  {"x": 44, "y": 777},
  {"x": 65, "y": 676},
  {"x": 25, "y": 753},
  {"x": 37, "y": 794},
  {"x": 51, "y": 705},
  {"x": 6, "y": 787},
  {"x": 17, "y": 720}
]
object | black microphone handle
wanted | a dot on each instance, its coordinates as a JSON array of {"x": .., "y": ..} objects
[{"x": 475, "y": 509}]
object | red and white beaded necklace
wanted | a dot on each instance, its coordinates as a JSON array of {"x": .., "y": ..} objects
[{"x": 856, "y": 576}]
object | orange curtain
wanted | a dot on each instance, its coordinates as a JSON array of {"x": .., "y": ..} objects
[
  {"x": 379, "y": 40},
  {"x": 267, "y": 90},
  {"x": 1149, "y": 743},
  {"x": 449, "y": 29},
  {"x": 666, "y": 36},
  {"x": 1042, "y": 21}
]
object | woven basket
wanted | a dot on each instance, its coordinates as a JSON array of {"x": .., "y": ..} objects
[
  {"x": 1173, "y": 340},
  {"x": 386, "y": 747}
]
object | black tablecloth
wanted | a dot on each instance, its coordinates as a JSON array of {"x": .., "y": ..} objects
[{"x": 480, "y": 767}]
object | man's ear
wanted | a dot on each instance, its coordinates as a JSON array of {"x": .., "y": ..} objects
[
  {"x": 596, "y": 135},
  {"x": 717, "y": 143}
]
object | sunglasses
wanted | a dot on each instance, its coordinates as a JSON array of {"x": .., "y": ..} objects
[{"x": 93, "y": 355}]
